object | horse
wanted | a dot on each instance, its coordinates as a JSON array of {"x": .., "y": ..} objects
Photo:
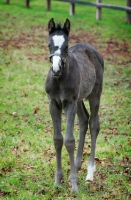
[{"x": 76, "y": 73}]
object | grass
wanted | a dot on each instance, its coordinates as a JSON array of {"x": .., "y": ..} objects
[{"x": 27, "y": 156}]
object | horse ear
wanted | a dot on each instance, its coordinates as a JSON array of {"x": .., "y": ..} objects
[
  {"x": 67, "y": 26},
  {"x": 51, "y": 26}
]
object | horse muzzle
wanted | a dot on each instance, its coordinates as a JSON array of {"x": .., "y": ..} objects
[
  {"x": 56, "y": 74},
  {"x": 58, "y": 63}
]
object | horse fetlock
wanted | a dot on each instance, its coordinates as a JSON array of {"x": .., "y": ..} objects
[{"x": 78, "y": 164}]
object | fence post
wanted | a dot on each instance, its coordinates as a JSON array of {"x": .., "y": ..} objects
[
  {"x": 128, "y": 14},
  {"x": 27, "y": 3},
  {"x": 7, "y": 1},
  {"x": 98, "y": 10},
  {"x": 72, "y": 9},
  {"x": 48, "y": 5}
]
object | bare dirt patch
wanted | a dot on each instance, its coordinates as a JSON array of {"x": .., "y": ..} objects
[{"x": 111, "y": 49}]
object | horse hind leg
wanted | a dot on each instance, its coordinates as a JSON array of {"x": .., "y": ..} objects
[
  {"x": 94, "y": 131},
  {"x": 83, "y": 117}
]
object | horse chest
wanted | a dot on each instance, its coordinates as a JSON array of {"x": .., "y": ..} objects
[{"x": 60, "y": 91}]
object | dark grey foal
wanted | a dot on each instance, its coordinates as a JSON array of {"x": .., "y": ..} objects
[{"x": 76, "y": 73}]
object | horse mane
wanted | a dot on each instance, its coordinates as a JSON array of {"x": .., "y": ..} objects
[{"x": 58, "y": 27}]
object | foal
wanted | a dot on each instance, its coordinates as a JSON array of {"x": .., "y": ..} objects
[{"x": 76, "y": 73}]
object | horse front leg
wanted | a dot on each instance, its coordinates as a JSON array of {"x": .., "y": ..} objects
[
  {"x": 94, "y": 131},
  {"x": 55, "y": 111},
  {"x": 70, "y": 110}
]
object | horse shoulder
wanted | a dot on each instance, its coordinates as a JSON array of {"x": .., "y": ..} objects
[
  {"x": 51, "y": 86},
  {"x": 71, "y": 81}
]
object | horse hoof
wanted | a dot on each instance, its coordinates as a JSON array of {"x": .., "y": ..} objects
[
  {"x": 74, "y": 181},
  {"x": 88, "y": 181},
  {"x": 57, "y": 186},
  {"x": 58, "y": 178},
  {"x": 75, "y": 188}
]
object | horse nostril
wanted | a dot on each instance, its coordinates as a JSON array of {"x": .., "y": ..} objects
[
  {"x": 56, "y": 70},
  {"x": 56, "y": 73}
]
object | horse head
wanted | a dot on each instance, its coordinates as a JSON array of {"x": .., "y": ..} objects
[{"x": 58, "y": 46}]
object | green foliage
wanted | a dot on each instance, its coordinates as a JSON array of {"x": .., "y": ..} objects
[{"x": 27, "y": 156}]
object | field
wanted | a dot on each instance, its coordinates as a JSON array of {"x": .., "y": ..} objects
[{"x": 27, "y": 155}]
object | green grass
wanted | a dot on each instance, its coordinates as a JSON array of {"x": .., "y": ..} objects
[{"x": 27, "y": 155}]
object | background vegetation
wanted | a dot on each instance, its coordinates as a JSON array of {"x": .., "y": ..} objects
[{"x": 27, "y": 156}]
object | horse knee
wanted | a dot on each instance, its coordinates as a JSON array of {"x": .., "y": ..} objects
[
  {"x": 69, "y": 144},
  {"x": 58, "y": 143}
]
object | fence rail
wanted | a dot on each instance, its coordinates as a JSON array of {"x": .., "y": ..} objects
[{"x": 99, "y": 5}]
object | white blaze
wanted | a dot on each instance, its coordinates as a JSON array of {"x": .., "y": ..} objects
[
  {"x": 56, "y": 60},
  {"x": 58, "y": 42}
]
